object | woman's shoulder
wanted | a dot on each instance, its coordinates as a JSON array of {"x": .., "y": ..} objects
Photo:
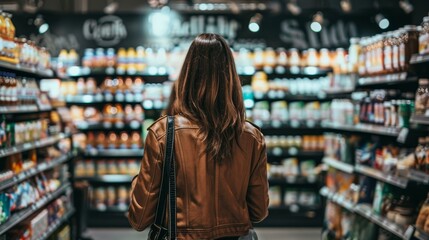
[
  {"x": 159, "y": 127},
  {"x": 254, "y": 130}
]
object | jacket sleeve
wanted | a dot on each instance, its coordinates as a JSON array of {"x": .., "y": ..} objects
[
  {"x": 257, "y": 193},
  {"x": 145, "y": 186}
]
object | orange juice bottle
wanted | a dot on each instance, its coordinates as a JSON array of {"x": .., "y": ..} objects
[
  {"x": 10, "y": 28},
  {"x": 131, "y": 56},
  {"x": 2, "y": 25},
  {"x": 122, "y": 59}
]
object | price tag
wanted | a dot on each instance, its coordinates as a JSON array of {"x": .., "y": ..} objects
[{"x": 402, "y": 136}]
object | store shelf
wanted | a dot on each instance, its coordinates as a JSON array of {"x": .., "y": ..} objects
[
  {"x": 77, "y": 71},
  {"x": 279, "y": 153},
  {"x": 420, "y": 119},
  {"x": 391, "y": 179},
  {"x": 108, "y": 178},
  {"x": 337, "y": 199},
  {"x": 20, "y": 216},
  {"x": 364, "y": 128},
  {"x": 418, "y": 59},
  {"x": 388, "y": 79},
  {"x": 289, "y": 98},
  {"x": 111, "y": 217},
  {"x": 418, "y": 176},
  {"x": 345, "y": 167},
  {"x": 123, "y": 153},
  {"x": 28, "y": 146},
  {"x": 105, "y": 126},
  {"x": 295, "y": 181},
  {"x": 34, "y": 171},
  {"x": 413, "y": 232},
  {"x": 91, "y": 99},
  {"x": 26, "y": 71},
  {"x": 18, "y": 109},
  {"x": 109, "y": 210},
  {"x": 57, "y": 224},
  {"x": 366, "y": 212},
  {"x": 293, "y": 129}
]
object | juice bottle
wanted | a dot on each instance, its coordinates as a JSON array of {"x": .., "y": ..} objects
[
  {"x": 131, "y": 56},
  {"x": 10, "y": 28},
  {"x": 2, "y": 25}
]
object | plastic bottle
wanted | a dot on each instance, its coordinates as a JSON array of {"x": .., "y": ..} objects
[
  {"x": 2, "y": 25},
  {"x": 10, "y": 28}
]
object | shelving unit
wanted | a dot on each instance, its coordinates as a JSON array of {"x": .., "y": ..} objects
[
  {"x": 278, "y": 154},
  {"x": 394, "y": 180},
  {"x": 113, "y": 153},
  {"x": 402, "y": 180},
  {"x": 338, "y": 199},
  {"x": 26, "y": 71},
  {"x": 420, "y": 119},
  {"x": 152, "y": 109},
  {"x": 279, "y": 216},
  {"x": 108, "y": 179},
  {"x": 29, "y": 146},
  {"x": 34, "y": 171},
  {"x": 57, "y": 224},
  {"x": 20, "y": 216},
  {"x": 364, "y": 128},
  {"x": 76, "y": 72},
  {"x": 296, "y": 181},
  {"x": 97, "y": 126},
  {"x": 342, "y": 166},
  {"x": 366, "y": 212},
  {"x": 388, "y": 79},
  {"x": 30, "y": 112}
]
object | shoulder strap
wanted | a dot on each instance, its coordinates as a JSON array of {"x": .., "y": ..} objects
[
  {"x": 172, "y": 178},
  {"x": 165, "y": 178}
]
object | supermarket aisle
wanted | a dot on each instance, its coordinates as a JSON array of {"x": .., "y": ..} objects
[{"x": 263, "y": 233}]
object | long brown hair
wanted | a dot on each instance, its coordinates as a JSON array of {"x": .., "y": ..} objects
[{"x": 208, "y": 92}]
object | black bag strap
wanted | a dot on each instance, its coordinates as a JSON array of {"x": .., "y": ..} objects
[
  {"x": 168, "y": 186},
  {"x": 172, "y": 178}
]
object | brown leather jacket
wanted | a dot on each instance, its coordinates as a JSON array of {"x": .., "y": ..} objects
[{"x": 214, "y": 199}]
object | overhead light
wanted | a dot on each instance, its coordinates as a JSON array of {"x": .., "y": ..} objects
[
  {"x": 293, "y": 7},
  {"x": 43, "y": 28},
  {"x": 111, "y": 7},
  {"x": 346, "y": 5},
  {"x": 254, "y": 22},
  {"x": 406, "y": 6},
  {"x": 316, "y": 25},
  {"x": 382, "y": 21}
]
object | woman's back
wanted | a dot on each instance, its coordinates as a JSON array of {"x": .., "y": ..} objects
[{"x": 214, "y": 199}]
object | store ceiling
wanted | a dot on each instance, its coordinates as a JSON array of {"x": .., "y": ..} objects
[{"x": 237, "y": 6}]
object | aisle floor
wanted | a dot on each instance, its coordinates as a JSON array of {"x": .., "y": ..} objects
[{"x": 263, "y": 233}]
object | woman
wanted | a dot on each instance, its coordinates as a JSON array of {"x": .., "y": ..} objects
[{"x": 220, "y": 158}]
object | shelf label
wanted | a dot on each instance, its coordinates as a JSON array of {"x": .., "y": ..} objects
[{"x": 402, "y": 136}]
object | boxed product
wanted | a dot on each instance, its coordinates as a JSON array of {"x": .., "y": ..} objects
[{"x": 275, "y": 196}]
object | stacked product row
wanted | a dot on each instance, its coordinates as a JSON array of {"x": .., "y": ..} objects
[
  {"x": 19, "y": 50},
  {"x": 91, "y": 168}
]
